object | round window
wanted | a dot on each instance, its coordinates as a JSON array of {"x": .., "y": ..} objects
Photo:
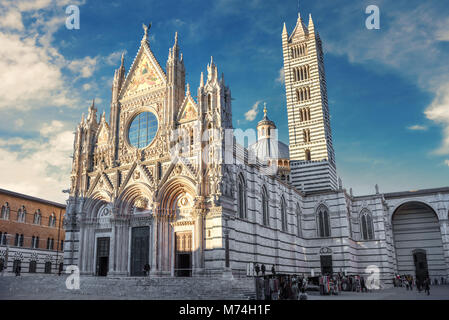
[{"x": 143, "y": 129}]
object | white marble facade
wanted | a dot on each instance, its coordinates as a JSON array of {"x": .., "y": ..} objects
[{"x": 186, "y": 200}]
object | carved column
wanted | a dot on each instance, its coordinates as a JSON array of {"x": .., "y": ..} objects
[{"x": 154, "y": 251}]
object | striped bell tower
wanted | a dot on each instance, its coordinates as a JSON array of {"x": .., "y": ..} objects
[{"x": 312, "y": 158}]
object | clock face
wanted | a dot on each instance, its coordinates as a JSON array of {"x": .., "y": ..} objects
[{"x": 143, "y": 129}]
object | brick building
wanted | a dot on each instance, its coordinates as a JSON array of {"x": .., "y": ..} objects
[{"x": 31, "y": 233}]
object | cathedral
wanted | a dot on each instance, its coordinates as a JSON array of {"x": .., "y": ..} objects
[{"x": 167, "y": 183}]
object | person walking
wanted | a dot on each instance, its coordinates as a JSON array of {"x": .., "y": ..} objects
[
  {"x": 17, "y": 270},
  {"x": 257, "y": 269},
  {"x": 263, "y": 270},
  {"x": 273, "y": 270},
  {"x": 427, "y": 286}
]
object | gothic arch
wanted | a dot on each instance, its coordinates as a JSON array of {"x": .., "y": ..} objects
[
  {"x": 171, "y": 191},
  {"x": 94, "y": 202},
  {"x": 408, "y": 200},
  {"x": 130, "y": 194},
  {"x": 323, "y": 221},
  {"x": 366, "y": 224}
]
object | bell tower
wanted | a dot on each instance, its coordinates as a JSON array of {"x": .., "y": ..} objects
[{"x": 312, "y": 156}]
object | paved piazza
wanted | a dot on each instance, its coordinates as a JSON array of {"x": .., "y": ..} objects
[
  {"x": 436, "y": 293},
  {"x": 91, "y": 288}
]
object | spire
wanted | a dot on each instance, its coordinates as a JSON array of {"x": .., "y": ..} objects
[
  {"x": 176, "y": 38},
  {"x": 122, "y": 60},
  {"x": 264, "y": 110},
  {"x": 284, "y": 29},
  {"x": 202, "y": 79},
  {"x": 311, "y": 26},
  {"x": 187, "y": 89}
]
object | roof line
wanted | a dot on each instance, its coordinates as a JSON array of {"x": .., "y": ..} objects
[{"x": 24, "y": 196}]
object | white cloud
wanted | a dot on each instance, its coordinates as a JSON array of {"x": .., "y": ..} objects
[
  {"x": 84, "y": 67},
  {"x": 11, "y": 19},
  {"x": 251, "y": 114},
  {"x": 114, "y": 58},
  {"x": 438, "y": 111},
  {"x": 417, "y": 127},
  {"x": 281, "y": 78},
  {"x": 409, "y": 45},
  {"x": 39, "y": 168},
  {"x": 446, "y": 162}
]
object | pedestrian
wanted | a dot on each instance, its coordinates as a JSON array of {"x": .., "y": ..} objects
[
  {"x": 273, "y": 270},
  {"x": 303, "y": 295},
  {"x": 257, "y": 269},
  {"x": 263, "y": 270},
  {"x": 17, "y": 270},
  {"x": 427, "y": 286},
  {"x": 362, "y": 284}
]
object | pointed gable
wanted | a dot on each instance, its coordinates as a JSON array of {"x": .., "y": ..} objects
[
  {"x": 188, "y": 110},
  {"x": 300, "y": 31},
  {"x": 145, "y": 74},
  {"x": 103, "y": 134}
]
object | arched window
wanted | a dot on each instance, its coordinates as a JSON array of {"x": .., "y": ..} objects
[
  {"x": 323, "y": 222},
  {"x": 308, "y": 157},
  {"x": 209, "y": 101},
  {"x": 283, "y": 214},
  {"x": 37, "y": 217},
  {"x": 241, "y": 197},
  {"x": 52, "y": 220},
  {"x": 5, "y": 211},
  {"x": 298, "y": 221},
  {"x": 367, "y": 226},
  {"x": 21, "y": 214},
  {"x": 4, "y": 239},
  {"x": 265, "y": 207}
]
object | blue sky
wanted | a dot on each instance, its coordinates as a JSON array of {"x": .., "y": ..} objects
[{"x": 388, "y": 89}]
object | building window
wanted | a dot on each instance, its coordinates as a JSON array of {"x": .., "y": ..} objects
[
  {"x": 366, "y": 222},
  {"x": 32, "y": 266},
  {"x": 308, "y": 156},
  {"x": 37, "y": 217},
  {"x": 283, "y": 215},
  {"x": 4, "y": 239},
  {"x": 5, "y": 211},
  {"x": 52, "y": 220},
  {"x": 298, "y": 220},
  {"x": 241, "y": 197},
  {"x": 323, "y": 222},
  {"x": 50, "y": 244},
  {"x": 306, "y": 134},
  {"x": 303, "y": 94},
  {"x": 35, "y": 242},
  {"x": 143, "y": 129},
  {"x": 48, "y": 267},
  {"x": 265, "y": 207},
  {"x": 209, "y": 101},
  {"x": 304, "y": 114},
  {"x": 21, "y": 214}
]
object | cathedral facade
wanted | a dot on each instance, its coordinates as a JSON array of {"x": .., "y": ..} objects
[{"x": 165, "y": 183}]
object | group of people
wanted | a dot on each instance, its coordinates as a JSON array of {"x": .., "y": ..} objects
[
  {"x": 407, "y": 281},
  {"x": 281, "y": 287},
  {"x": 334, "y": 284}
]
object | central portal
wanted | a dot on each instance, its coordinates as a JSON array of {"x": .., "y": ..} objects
[
  {"x": 140, "y": 245},
  {"x": 102, "y": 257},
  {"x": 183, "y": 259}
]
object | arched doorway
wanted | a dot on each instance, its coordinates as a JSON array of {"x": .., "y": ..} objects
[
  {"x": 417, "y": 240},
  {"x": 181, "y": 253}
]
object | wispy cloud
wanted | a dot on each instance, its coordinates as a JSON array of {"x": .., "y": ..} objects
[
  {"x": 412, "y": 34},
  {"x": 251, "y": 114},
  {"x": 281, "y": 78},
  {"x": 417, "y": 127}
]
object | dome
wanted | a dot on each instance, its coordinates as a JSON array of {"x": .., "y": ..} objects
[{"x": 269, "y": 148}]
